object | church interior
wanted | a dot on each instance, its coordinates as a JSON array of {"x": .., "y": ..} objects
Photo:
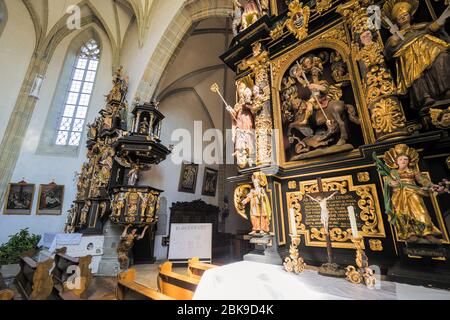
[{"x": 224, "y": 149}]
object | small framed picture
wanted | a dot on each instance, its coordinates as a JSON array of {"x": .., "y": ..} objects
[
  {"x": 51, "y": 198},
  {"x": 188, "y": 177},
  {"x": 210, "y": 182},
  {"x": 19, "y": 198}
]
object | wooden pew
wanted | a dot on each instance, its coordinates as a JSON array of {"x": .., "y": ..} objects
[
  {"x": 5, "y": 292},
  {"x": 197, "y": 268},
  {"x": 71, "y": 276},
  {"x": 34, "y": 281},
  {"x": 128, "y": 288},
  {"x": 177, "y": 286}
]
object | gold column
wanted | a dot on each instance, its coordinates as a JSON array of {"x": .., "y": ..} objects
[
  {"x": 387, "y": 117},
  {"x": 259, "y": 64}
]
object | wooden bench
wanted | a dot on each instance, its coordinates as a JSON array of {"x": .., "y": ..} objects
[
  {"x": 5, "y": 292},
  {"x": 129, "y": 289},
  {"x": 196, "y": 269},
  {"x": 34, "y": 281},
  {"x": 177, "y": 286},
  {"x": 71, "y": 276}
]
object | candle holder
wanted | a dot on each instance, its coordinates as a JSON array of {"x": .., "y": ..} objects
[
  {"x": 361, "y": 272},
  {"x": 294, "y": 263}
]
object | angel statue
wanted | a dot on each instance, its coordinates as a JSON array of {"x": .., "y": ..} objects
[
  {"x": 260, "y": 209},
  {"x": 126, "y": 244},
  {"x": 421, "y": 53},
  {"x": 440, "y": 118},
  {"x": 71, "y": 220},
  {"x": 405, "y": 189},
  {"x": 237, "y": 17}
]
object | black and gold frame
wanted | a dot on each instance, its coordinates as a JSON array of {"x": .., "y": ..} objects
[
  {"x": 19, "y": 198},
  {"x": 51, "y": 199},
  {"x": 210, "y": 179},
  {"x": 335, "y": 45},
  {"x": 188, "y": 177}
]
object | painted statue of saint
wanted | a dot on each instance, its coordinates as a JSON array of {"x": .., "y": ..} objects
[
  {"x": 421, "y": 53},
  {"x": 406, "y": 189},
  {"x": 260, "y": 209},
  {"x": 243, "y": 126}
]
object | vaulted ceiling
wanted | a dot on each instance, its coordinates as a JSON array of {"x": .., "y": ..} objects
[
  {"x": 113, "y": 16},
  {"x": 196, "y": 66}
]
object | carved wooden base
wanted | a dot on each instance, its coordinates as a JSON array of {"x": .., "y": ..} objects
[
  {"x": 362, "y": 272},
  {"x": 294, "y": 263}
]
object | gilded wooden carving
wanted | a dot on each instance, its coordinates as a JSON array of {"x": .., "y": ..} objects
[{"x": 363, "y": 197}]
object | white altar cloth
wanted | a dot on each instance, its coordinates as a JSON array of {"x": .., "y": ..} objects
[
  {"x": 255, "y": 281},
  {"x": 53, "y": 240}
]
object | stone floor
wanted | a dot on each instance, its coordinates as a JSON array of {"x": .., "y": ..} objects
[{"x": 104, "y": 288}]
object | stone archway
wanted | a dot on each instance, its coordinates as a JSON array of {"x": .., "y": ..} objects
[{"x": 185, "y": 19}]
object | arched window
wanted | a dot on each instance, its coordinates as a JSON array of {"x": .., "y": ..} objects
[
  {"x": 3, "y": 16},
  {"x": 78, "y": 95}
]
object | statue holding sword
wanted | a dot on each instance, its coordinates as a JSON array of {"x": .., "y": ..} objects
[{"x": 421, "y": 52}]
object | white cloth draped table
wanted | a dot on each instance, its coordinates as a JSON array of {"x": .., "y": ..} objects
[{"x": 255, "y": 281}]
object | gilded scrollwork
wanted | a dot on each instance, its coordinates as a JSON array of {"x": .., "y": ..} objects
[
  {"x": 336, "y": 234},
  {"x": 368, "y": 214},
  {"x": 323, "y": 6},
  {"x": 337, "y": 33},
  {"x": 363, "y": 177},
  {"x": 375, "y": 245},
  {"x": 294, "y": 263},
  {"x": 328, "y": 186},
  {"x": 366, "y": 201},
  {"x": 294, "y": 203},
  {"x": 277, "y": 32}
]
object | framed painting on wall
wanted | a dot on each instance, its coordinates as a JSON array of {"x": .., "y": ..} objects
[
  {"x": 19, "y": 198},
  {"x": 51, "y": 198},
  {"x": 188, "y": 177},
  {"x": 210, "y": 182}
]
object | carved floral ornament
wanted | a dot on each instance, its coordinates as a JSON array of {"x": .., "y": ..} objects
[{"x": 297, "y": 22}]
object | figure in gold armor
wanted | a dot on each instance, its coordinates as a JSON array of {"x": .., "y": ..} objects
[
  {"x": 407, "y": 188},
  {"x": 422, "y": 56}
]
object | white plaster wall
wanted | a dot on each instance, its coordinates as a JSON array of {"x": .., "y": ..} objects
[
  {"x": 16, "y": 49},
  {"x": 181, "y": 111},
  {"x": 39, "y": 169}
]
